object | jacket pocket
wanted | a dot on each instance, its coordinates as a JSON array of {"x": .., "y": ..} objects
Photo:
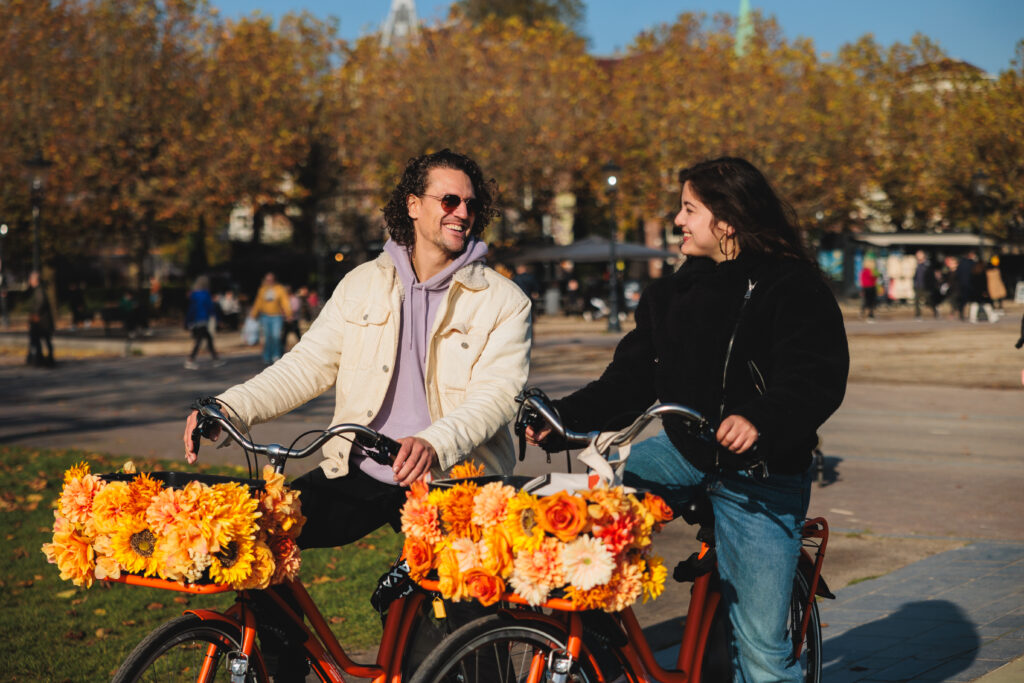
[
  {"x": 363, "y": 333},
  {"x": 458, "y": 350}
]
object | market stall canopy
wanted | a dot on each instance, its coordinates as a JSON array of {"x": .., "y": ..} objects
[
  {"x": 592, "y": 249},
  {"x": 917, "y": 239}
]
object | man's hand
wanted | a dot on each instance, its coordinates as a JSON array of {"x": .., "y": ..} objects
[
  {"x": 192, "y": 445},
  {"x": 536, "y": 437},
  {"x": 737, "y": 434},
  {"x": 414, "y": 460}
]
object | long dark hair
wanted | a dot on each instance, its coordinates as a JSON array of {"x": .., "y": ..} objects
[
  {"x": 414, "y": 181},
  {"x": 737, "y": 193}
]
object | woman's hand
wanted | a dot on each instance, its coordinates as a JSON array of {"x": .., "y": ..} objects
[
  {"x": 535, "y": 437},
  {"x": 737, "y": 434},
  {"x": 192, "y": 448},
  {"x": 414, "y": 460}
]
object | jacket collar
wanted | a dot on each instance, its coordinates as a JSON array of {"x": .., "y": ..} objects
[{"x": 470, "y": 276}]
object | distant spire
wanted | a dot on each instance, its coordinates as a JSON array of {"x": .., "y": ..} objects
[
  {"x": 401, "y": 23},
  {"x": 744, "y": 28}
]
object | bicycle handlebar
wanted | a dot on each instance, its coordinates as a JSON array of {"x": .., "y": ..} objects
[
  {"x": 375, "y": 445},
  {"x": 537, "y": 412}
]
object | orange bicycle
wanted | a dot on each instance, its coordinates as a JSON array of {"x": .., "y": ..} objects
[
  {"x": 208, "y": 645},
  {"x": 561, "y": 643}
]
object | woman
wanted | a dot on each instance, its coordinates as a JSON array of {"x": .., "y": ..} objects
[
  {"x": 199, "y": 315},
  {"x": 869, "y": 289},
  {"x": 271, "y": 308},
  {"x": 748, "y": 333}
]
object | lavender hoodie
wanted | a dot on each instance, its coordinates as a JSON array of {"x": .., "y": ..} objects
[{"x": 404, "y": 411}]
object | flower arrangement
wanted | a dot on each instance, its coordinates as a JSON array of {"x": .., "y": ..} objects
[
  {"x": 594, "y": 546},
  {"x": 221, "y": 531}
]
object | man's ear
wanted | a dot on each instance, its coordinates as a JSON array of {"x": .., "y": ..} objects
[{"x": 412, "y": 205}]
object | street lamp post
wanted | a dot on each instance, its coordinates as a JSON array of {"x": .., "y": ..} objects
[
  {"x": 979, "y": 188},
  {"x": 611, "y": 174},
  {"x": 37, "y": 170},
  {"x": 4, "y": 320}
]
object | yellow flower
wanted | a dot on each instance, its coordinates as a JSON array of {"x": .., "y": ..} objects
[
  {"x": 135, "y": 549},
  {"x": 497, "y": 555},
  {"x": 262, "y": 568},
  {"x": 449, "y": 577},
  {"x": 521, "y": 522},
  {"x": 457, "y": 512},
  {"x": 466, "y": 469},
  {"x": 654, "y": 578},
  {"x": 593, "y": 598},
  {"x": 71, "y": 552},
  {"x": 230, "y": 515},
  {"x": 232, "y": 564},
  {"x": 143, "y": 488}
]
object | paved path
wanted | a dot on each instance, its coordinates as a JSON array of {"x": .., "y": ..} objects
[{"x": 904, "y": 463}]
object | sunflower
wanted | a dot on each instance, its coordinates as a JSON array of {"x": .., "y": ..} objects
[
  {"x": 262, "y": 568},
  {"x": 135, "y": 549},
  {"x": 521, "y": 522},
  {"x": 232, "y": 564}
]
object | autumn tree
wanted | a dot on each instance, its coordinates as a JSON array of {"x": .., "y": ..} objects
[{"x": 568, "y": 12}]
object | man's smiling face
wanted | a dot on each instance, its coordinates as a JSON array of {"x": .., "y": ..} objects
[{"x": 447, "y": 233}]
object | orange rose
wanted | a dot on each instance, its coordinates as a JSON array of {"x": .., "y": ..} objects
[
  {"x": 562, "y": 515},
  {"x": 484, "y": 586},
  {"x": 657, "y": 506},
  {"x": 419, "y": 556},
  {"x": 498, "y": 554}
]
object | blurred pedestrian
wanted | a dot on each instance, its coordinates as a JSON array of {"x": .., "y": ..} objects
[
  {"x": 40, "y": 324},
  {"x": 965, "y": 281},
  {"x": 925, "y": 286},
  {"x": 200, "y": 316},
  {"x": 994, "y": 282},
  {"x": 291, "y": 322},
  {"x": 229, "y": 311},
  {"x": 527, "y": 282},
  {"x": 978, "y": 298},
  {"x": 271, "y": 307},
  {"x": 869, "y": 289}
]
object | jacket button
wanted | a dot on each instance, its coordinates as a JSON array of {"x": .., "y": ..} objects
[
  {"x": 385, "y": 368},
  {"x": 365, "y": 316},
  {"x": 465, "y": 345},
  {"x": 369, "y": 413}
]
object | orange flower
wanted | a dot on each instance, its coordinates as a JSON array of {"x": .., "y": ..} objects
[
  {"x": 71, "y": 552},
  {"x": 466, "y": 469},
  {"x": 490, "y": 504},
  {"x": 262, "y": 568},
  {"x": 457, "y": 512},
  {"x": 76, "y": 498},
  {"x": 658, "y": 508},
  {"x": 286, "y": 558},
  {"x": 594, "y": 598},
  {"x": 484, "y": 586},
  {"x": 563, "y": 515},
  {"x": 112, "y": 507},
  {"x": 497, "y": 553},
  {"x": 617, "y": 534},
  {"x": 536, "y": 572},
  {"x": 420, "y": 518},
  {"x": 419, "y": 555},
  {"x": 143, "y": 488}
]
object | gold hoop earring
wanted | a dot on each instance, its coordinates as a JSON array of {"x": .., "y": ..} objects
[{"x": 722, "y": 248}]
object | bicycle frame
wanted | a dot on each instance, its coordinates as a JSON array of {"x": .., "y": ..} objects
[{"x": 321, "y": 644}]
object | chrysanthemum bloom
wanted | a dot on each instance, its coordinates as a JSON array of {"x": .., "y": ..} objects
[
  {"x": 71, "y": 552},
  {"x": 420, "y": 519},
  {"x": 587, "y": 562},
  {"x": 616, "y": 533},
  {"x": 230, "y": 515},
  {"x": 457, "y": 512},
  {"x": 232, "y": 564},
  {"x": 563, "y": 515},
  {"x": 262, "y": 568},
  {"x": 595, "y": 598},
  {"x": 77, "y": 496},
  {"x": 497, "y": 555},
  {"x": 465, "y": 470},
  {"x": 419, "y": 555},
  {"x": 143, "y": 489},
  {"x": 490, "y": 504},
  {"x": 536, "y": 572},
  {"x": 134, "y": 548},
  {"x": 521, "y": 522},
  {"x": 286, "y": 558},
  {"x": 484, "y": 586},
  {"x": 112, "y": 507},
  {"x": 626, "y": 585},
  {"x": 468, "y": 552},
  {"x": 654, "y": 578},
  {"x": 449, "y": 578}
]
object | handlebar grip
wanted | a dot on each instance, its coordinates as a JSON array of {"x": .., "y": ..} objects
[{"x": 382, "y": 449}]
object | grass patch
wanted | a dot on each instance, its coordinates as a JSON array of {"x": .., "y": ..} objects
[
  {"x": 863, "y": 579},
  {"x": 54, "y": 631}
]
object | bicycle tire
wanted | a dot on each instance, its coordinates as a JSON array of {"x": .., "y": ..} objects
[
  {"x": 497, "y": 649},
  {"x": 717, "y": 667},
  {"x": 179, "y": 646},
  {"x": 810, "y": 655}
]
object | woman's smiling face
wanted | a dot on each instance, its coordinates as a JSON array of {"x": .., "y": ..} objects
[{"x": 701, "y": 232}]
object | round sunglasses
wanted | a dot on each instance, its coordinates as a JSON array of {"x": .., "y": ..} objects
[{"x": 450, "y": 202}]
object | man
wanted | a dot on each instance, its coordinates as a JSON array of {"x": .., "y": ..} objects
[
  {"x": 425, "y": 344},
  {"x": 40, "y": 324},
  {"x": 924, "y": 286}
]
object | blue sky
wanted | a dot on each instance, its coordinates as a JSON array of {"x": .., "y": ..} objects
[{"x": 982, "y": 32}]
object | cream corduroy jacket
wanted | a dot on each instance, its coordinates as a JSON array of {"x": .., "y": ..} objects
[{"x": 477, "y": 361}]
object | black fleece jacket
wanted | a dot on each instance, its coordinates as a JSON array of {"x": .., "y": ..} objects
[{"x": 787, "y": 369}]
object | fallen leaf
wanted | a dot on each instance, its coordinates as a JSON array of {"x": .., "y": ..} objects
[
  {"x": 101, "y": 633},
  {"x": 74, "y": 635},
  {"x": 100, "y": 611},
  {"x": 181, "y": 600},
  {"x": 20, "y": 553},
  {"x": 128, "y": 622},
  {"x": 337, "y": 620},
  {"x": 154, "y": 605}
]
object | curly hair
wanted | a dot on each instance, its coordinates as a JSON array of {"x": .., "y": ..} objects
[{"x": 414, "y": 182}]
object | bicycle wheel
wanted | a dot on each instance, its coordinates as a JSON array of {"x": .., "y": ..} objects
[
  {"x": 178, "y": 649},
  {"x": 497, "y": 649},
  {"x": 810, "y": 644}
]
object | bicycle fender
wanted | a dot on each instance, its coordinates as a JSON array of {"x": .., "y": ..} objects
[{"x": 211, "y": 615}]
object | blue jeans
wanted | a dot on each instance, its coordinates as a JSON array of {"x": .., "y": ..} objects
[
  {"x": 757, "y": 532},
  {"x": 272, "y": 326}
]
